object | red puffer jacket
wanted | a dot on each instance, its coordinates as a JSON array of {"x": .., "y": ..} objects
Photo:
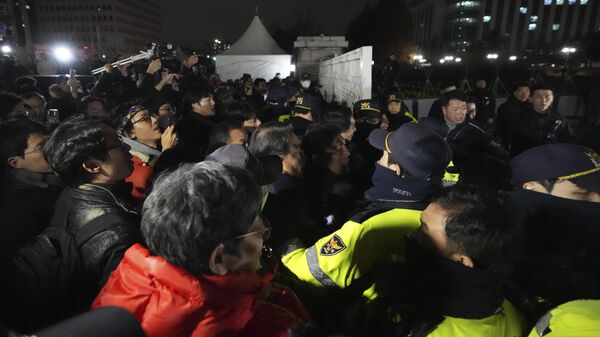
[{"x": 169, "y": 301}]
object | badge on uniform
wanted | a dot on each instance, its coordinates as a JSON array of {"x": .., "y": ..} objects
[
  {"x": 333, "y": 246},
  {"x": 594, "y": 157},
  {"x": 300, "y": 100},
  {"x": 365, "y": 105}
]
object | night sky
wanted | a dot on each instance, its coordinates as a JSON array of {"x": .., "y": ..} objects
[{"x": 190, "y": 22}]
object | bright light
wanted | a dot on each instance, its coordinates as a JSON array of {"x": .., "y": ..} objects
[
  {"x": 512, "y": 58},
  {"x": 532, "y": 26},
  {"x": 458, "y": 60},
  {"x": 103, "y": 56},
  {"x": 449, "y": 58},
  {"x": 568, "y": 50},
  {"x": 422, "y": 60},
  {"x": 63, "y": 54},
  {"x": 6, "y": 49},
  {"x": 442, "y": 61},
  {"x": 214, "y": 58},
  {"x": 492, "y": 56},
  {"x": 417, "y": 57},
  {"x": 523, "y": 10},
  {"x": 487, "y": 18},
  {"x": 292, "y": 67}
]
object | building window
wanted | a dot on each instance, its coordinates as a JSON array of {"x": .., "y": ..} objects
[
  {"x": 487, "y": 18},
  {"x": 556, "y": 26},
  {"x": 560, "y": 2},
  {"x": 467, "y": 4},
  {"x": 523, "y": 10},
  {"x": 547, "y": 2},
  {"x": 534, "y": 18},
  {"x": 583, "y": 2},
  {"x": 532, "y": 26}
]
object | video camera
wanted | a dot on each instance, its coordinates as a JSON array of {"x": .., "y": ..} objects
[{"x": 166, "y": 53}]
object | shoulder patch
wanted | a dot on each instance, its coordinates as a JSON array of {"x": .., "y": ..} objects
[{"x": 333, "y": 246}]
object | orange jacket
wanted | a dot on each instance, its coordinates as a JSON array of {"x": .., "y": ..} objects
[{"x": 169, "y": 301}]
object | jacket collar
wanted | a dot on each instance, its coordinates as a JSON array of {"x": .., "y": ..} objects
[
  {"x": 284, "y": 182},
  {"x": 28, "y": 178},
  {"x": 219, "y": 291},
  {"x": 387, "y": 186},
  {"x": 141, "y": 148},
  {"x": 119, "y": 193},
  {"x": 441, "y": 286}
]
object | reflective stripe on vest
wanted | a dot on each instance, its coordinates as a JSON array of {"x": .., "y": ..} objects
[
  {"x": 411, "y": 117},
  {"x": 450, "y": 179},
  {"x": 312, "y": 259},
  {"x": 541, "y": 327}
]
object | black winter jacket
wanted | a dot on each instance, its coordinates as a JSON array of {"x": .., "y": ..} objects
[{"x": 101, "y": 254}]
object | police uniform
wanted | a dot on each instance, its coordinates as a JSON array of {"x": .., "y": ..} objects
[
  {"x": 338, "y": 260},
  {"x": 507, "y": 322},
  {"x": 574, "y": 319},
  {"x": 400, "y": 118}
]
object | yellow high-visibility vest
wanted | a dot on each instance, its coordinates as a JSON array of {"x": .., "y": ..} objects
[{"x": 343, "y": 257}]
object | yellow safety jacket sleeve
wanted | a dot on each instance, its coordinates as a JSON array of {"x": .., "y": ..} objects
[
  {"x": 350, "y": 252},
  {"x": 579, "y": 318},
  {"x": 507, "y": 323},
  {"x": 450, "y": 179}
]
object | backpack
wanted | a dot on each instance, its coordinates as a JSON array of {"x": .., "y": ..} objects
[{"x": 44, "y": 275}]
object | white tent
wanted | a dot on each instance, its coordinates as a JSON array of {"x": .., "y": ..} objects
[{"x": 255, "y": 53}]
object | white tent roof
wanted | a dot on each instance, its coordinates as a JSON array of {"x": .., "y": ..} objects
[{"x": 255, "y": 41}]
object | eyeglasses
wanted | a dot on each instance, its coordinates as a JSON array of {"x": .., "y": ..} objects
[
  {"x": 265, "y": 232},
  {"x": 145, "y": 118}
]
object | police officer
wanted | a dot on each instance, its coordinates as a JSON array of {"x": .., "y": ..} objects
[
  {"x": 575, "y": 318},
  {"x": 408, "y": 173},
  {"x": 397, "y": 112},
  {"x": 456, "y": 262},
  {"x": 306, "y": 110},
  {"x": 557, "y": 196},
  {"x": 368, "y": 117}
]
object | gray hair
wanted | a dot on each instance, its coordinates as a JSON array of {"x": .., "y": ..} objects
[{"x": 193, "y": 209}]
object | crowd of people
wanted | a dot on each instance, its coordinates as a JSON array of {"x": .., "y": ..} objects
[{"x": 171, "y": 204}]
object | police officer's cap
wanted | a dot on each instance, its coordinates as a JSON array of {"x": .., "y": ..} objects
[
  {"x": 366, "y": 108},
  {"x": 416, "y": 148},
  {"x": 306, "y": 103},
  {"x": 393, "y": 97},
  {"x": 576, "y": 163}
]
